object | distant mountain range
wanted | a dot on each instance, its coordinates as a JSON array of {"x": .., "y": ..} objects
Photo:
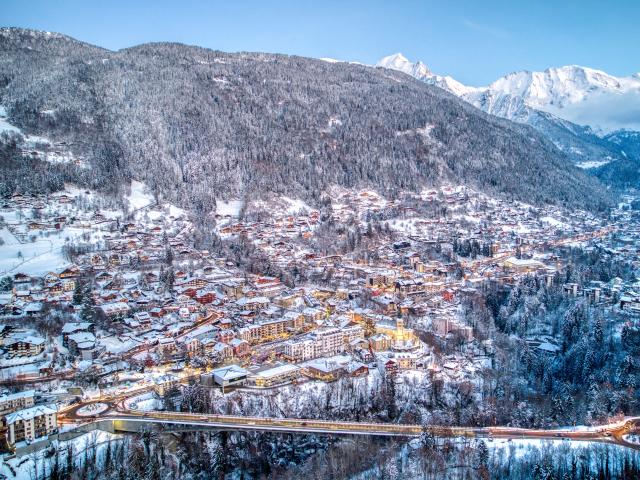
[
  {"x": 577, "y": 94},
  {"x": 199, "y": 125},
  {"x": 590, "y": 115}
]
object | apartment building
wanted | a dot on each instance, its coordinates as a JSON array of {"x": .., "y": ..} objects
[
  {"x": 31, "y": 423},
  {"x": 17, "y": 401}
]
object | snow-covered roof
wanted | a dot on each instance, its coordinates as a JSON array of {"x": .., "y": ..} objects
[
  {"x": 25, "y": 338},
  {"x": 71, "y": 327},
  {"x": 277, "y": 371},
  {"x": 17, "y": 395},
  {"x": 29, "y": 413},
  {"x": 83, "y": 339},
  {"x": 114, "y": 307},
  {"x": 329, "y": 364},
  {"x": 523, "y": 262},
  {"x": 252, "y": 300},
  {"x": 230, "y": 372}
]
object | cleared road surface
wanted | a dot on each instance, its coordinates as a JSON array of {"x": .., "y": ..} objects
[{"x": 612, "y": 433}]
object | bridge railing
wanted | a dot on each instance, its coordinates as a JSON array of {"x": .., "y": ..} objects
[{"x": 297, "y": 423}]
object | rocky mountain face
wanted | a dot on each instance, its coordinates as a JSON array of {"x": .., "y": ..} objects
[{"x": 198, "y": 125}]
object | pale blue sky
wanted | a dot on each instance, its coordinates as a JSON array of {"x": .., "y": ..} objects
[{"x": 473, "y": 41}]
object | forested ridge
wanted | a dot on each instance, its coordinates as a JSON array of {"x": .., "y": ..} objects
[{"x": 197, "y": 124}]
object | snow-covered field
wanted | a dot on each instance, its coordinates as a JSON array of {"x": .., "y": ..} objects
[
  {"x": 5, "y": 126},
  {"x": 552, "y": 221},
  {"x": 295, "y": 206},
  {"x": 33, "y": 258},
  {"x": 115, "y": 345},
  {"x": 231, "y": 207},
  {"x": 145, "y": 402},
  {"x": 92, "y": 409},
  {"x": 139, "y": 197},
  {"x": 592, "y": 164}
]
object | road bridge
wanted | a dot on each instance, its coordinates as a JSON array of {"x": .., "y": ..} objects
[{"x": 133, "y": 421}]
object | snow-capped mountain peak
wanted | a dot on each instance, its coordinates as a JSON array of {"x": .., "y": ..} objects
[
  {"x": 420, "y": 71},
  {"x": 559, "y": 87},
  {"x": 578, "y": 94},
  {"x": 400, "y": 63}
]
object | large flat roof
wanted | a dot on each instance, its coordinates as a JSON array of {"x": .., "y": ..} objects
[
  {"x": 230, "y": 372},
  {"x": 277, "y": 371}
]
